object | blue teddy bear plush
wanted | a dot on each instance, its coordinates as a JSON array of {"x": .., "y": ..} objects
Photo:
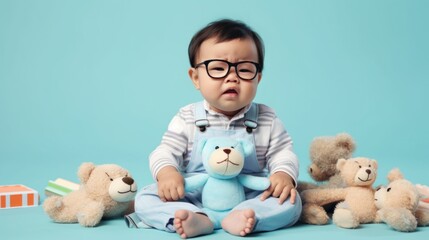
[{"x": 223, "y": 185}]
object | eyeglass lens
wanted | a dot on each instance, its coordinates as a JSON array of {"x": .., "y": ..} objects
[{"x": 219, "y": 69}]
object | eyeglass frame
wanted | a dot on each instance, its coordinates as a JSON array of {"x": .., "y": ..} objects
[{"x": 230, "y": 64}]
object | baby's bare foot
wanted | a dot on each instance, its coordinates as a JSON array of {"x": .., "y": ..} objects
[
  {"x": 239, "y": 222},
  {"x": 189, "y": 224}
]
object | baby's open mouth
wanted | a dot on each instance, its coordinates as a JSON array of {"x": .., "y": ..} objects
[{"x": 230, "y": 91}]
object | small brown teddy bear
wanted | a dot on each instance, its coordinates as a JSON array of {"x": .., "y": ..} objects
[
  {"x": 398, "y": 204},
  {"x": 106, "y": 191},
  {"x": 357, "y": 198},
  {"x": 324, "y": 154}
]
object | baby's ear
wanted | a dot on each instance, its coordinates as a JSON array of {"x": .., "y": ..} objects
[
  {"x": 248, "y": 147},
  {"x": 193, "y": 75},
  {"x": 85, "y": 171}
]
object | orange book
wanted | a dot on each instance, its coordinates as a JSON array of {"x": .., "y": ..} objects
[{"x": 15, "y": 196}]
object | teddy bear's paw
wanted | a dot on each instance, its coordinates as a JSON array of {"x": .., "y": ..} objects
[
  {"x": 313, "y": 214},
  {"x": 91, "y": 214},
  {"x": 53, "y": 205},
  {"x": 400, "y": 219},
  {"x": 88, "y": 220},
  {"x": 302, "y": 186},
  {"x": 344, "y": 218}
]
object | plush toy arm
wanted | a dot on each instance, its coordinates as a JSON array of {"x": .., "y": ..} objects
[
  {"x": 323, "y": 196},
  {"x": 378, "y": 218},
  {"x": 195, "y": 182},
  {"x": 255, "y": 183},
  {"x": 302, "y": 186}
]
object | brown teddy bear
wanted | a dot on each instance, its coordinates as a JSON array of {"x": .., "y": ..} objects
[
  {"x": 324, "y": 154},
  {"x": 356, "y": 199},
  {"x": 106, "y": 191},
  {"x": 398, "y": 204}
]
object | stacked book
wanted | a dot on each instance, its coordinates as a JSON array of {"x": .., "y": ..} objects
[{"x": 60, "y": 187}]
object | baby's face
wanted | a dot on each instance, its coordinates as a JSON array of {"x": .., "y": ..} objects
[{"x": 230, "y": 94}]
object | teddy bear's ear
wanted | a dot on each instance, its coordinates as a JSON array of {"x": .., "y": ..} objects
[
  {"x": 248, "y": 147},
  {"x": 340, "y": 164},
  {"x": 85, "y": 171},
  {"x": 374, "y": 164},
  {"x": 345, "y": 141},
  {"x": 394, "y": 174}
]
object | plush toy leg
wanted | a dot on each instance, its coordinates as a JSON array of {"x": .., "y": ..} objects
[
  {"x": 314, "y": 214},
  {"x": 91, "y": 214},
  {"x": 343, "y": 217},
  {"x": 53, "y": 206}
]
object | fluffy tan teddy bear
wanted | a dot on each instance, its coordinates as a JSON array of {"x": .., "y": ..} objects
[
  {"x": 356, "y": 200},
  {"x": 324, "y": 154},
  {"x": 106, "y": 191},
  {"x": 398, "y": 204}
]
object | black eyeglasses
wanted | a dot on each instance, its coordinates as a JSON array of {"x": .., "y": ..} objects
[{"x": 218, "y": 68}]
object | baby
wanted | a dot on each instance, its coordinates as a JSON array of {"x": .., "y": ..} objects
[{"x": 227, "y": 59}]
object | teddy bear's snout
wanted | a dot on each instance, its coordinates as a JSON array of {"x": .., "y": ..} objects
[
  {"x": 128, "y": 180},
  {"x": 227, "y": 151}
]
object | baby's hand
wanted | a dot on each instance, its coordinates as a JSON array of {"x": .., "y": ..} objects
[
  {"x": 171, "y": 185},
  {"x": 281, "y": 186}
]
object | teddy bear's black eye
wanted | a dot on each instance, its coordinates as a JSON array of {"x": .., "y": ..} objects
[
  {"x": 389, "y": 189},
  {"x": 360, "y": 166},
  {"x": 217, "y": 147},
  {"x": 369, "y": 165},
  {"x": 111, "y": 179},
  {"x": 232, "y": 147}
]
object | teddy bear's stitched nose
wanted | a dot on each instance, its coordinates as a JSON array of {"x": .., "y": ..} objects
[
  {"x": 227, "y": 151},
  {"x": 128, "y": 180},
  {"x": 368, "y": 171}
]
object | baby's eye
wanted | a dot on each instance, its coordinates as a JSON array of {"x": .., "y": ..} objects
[
  {"x": 220, "y": 69},
  {"x": 245, "y": 70}
]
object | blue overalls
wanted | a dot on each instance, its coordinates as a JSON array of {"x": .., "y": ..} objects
[{"x": 270, "y": 215}]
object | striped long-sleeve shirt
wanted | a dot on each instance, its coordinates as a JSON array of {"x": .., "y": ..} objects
[{"x": 273, "y": 143}]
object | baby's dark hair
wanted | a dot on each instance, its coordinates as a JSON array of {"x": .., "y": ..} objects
[{"x": 225, "y": 30}]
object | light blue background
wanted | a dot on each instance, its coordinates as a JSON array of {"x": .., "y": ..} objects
[{"x": 100, "y": 80}]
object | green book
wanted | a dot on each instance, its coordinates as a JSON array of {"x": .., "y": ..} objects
[{"x": 60, "y": 187}]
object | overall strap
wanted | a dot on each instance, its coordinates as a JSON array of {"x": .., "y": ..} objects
[
  {"x": 251, "y": 118},
  {"x": 201, "y": 116}
]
